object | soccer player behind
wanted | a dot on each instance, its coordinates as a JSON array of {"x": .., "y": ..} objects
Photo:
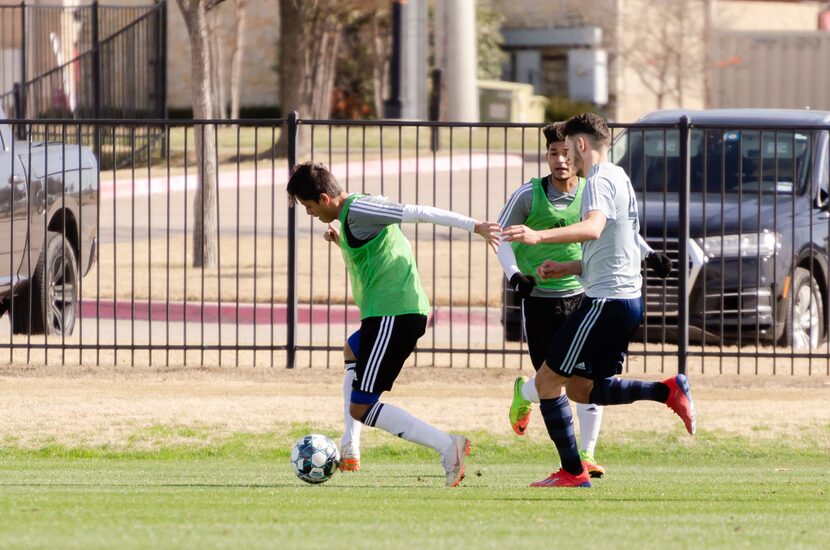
[
  {"x": 583, "y": 358},
  {"x": 542, "y": 203},
  {"x": 387, "y": 290}
]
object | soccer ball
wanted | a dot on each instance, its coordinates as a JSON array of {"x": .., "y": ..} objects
[{"x": 314, "y": 458}]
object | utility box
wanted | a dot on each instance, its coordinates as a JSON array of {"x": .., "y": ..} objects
[
  {"x": 588, "y": 75},
  {"x": 509, "y": 102}
]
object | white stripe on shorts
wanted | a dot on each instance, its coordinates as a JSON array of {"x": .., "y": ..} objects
[
  {"x": 581, "y": 335},
  {"x": 378, "y": 351}
]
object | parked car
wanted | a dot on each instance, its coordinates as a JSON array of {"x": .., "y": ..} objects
[
  {"x": 759, "y": 220},
  {"x": 758, "y": 216},
  {"x": 48, "y": 230}
]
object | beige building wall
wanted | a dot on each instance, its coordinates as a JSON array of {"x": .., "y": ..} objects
[
  {"x": 632, "y": 34},
  {"x": 656, "y": 35},
  {"x": 768, "y": 16},
  {"x": 534, "y": 14}
]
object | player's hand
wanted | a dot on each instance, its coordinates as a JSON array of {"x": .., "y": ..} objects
[
  {"x": 331, "y": 235},
  {"x": 554, "y": 270},
  {"x": 522, "y": 284},
  {"x": 491, "y": 232},
  {"x": 521, "y": 234},
  {"x": 660, "y": 264}
]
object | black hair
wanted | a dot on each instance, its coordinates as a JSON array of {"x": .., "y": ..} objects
[
  {"x": 591, "y": 125},
  {"x": 309, "y": 180},
  {"x": 553, "y": 133}
]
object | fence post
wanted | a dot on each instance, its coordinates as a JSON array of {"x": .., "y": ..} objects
[
  {"x": 19, "y": 130},
  {"x": 435, "y": 109},
  {"x": 683, "y": 249},
  {"x": 96, "y": 64},
  {"x": 96, "y": 78},
  {"x": 161, "y": 66},
  {"x": 23, "y": 44},
  {"x": 291, "y": 305}
]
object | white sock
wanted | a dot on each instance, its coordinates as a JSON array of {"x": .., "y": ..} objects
[
  {"x": 402, "y": 424},
  {"x": 351, "y": 427},
  {"x": 590, "y": 419},
  {"x": 529, "y": 390}
]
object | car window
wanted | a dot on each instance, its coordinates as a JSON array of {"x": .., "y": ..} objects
[{"x": 722, "y": 161}]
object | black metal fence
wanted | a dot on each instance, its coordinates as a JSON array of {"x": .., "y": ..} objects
[{"x": 745, "y": 208}]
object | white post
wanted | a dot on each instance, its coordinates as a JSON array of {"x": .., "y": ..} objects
[{"x": 458, "y": 57}]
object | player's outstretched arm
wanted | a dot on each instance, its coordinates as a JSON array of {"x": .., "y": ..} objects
[
  {"x": 415, "y": 213},
  {"x": 588, "y": 229},
  {"x": 491, "y": 232}
]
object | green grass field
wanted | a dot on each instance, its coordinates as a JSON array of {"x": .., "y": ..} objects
[{"x": 711, "y": 491}]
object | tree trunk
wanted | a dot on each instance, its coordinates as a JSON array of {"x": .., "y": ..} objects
[
  {"x": 324, "y": 66},
  {"x": 236, "y": 57},
  {"x": 379, "y": 69},
  {"x": 309, "y": 36},
  {"x": 204, "y": 203},
  {"x": 292, "y": 66},
  {"x": 217, "y": 73}
]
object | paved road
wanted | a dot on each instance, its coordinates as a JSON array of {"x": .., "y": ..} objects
[{"x": 249, "y": 202}]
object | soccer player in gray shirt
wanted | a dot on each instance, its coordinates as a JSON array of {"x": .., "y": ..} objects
[
  {"x": 583, "y": 359},
  {"x": 542, "y": 203}
]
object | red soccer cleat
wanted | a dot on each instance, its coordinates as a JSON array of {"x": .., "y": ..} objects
[
  {"x": 564, "y": 479},
  {"x": 680, "y": 401}
]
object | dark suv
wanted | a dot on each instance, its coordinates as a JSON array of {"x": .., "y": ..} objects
[{"x": 758, "y": 217}]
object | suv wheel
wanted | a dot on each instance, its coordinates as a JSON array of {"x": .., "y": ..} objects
[
  {"x": 54, "y": 292},
  {"x": 804, "y": 327}
]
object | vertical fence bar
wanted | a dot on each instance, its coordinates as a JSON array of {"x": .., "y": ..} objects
[
  {"x": 23, "y": 68},
  {"x": 96, "y": 73},
  {"x": 291, "y": 305},
  {"x": 683, "y": 249},
  {"x": 23, "y": 39}
]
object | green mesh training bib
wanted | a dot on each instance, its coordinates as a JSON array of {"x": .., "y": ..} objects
[
  {"x": 383, "y": 273},
  {"x": 544, "y": 216}
]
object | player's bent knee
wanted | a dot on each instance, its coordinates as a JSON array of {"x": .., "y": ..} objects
[
  {"x": 548, "y": 383},
  {"x": 358, "y": 411},
  {"x": 361, "y": 402},
  {"x": 578, "y": 391}
]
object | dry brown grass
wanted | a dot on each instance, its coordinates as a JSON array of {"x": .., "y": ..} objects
[
  {"x": 96, "y": 406},
  {"x": 142, "y": 271}
]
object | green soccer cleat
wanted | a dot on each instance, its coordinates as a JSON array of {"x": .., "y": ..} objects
[
  {"x": 590, "y": 464},
  {"x": 520, "y": 408}
]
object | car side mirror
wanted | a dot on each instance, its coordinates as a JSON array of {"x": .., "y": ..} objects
[{"x": 823, "y": 200}]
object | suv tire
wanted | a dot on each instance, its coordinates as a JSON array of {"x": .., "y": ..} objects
[
  {"x": 804, "y": 324},
  {"x": 54, "y": 292}
]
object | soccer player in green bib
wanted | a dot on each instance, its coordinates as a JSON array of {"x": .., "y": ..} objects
[
  {"x": 387, "y": 290},
  {"x": 543, "y": 203}
]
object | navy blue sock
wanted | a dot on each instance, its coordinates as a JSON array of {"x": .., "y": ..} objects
[
  {"x": 615, "y": 391},
  {"x": 559, "y": 421}
]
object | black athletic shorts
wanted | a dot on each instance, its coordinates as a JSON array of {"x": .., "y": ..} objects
[
  {"x": 385, "y": 344},
  {"x": 593, "y": 340},
  {"x": 543, "y": 317}
]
